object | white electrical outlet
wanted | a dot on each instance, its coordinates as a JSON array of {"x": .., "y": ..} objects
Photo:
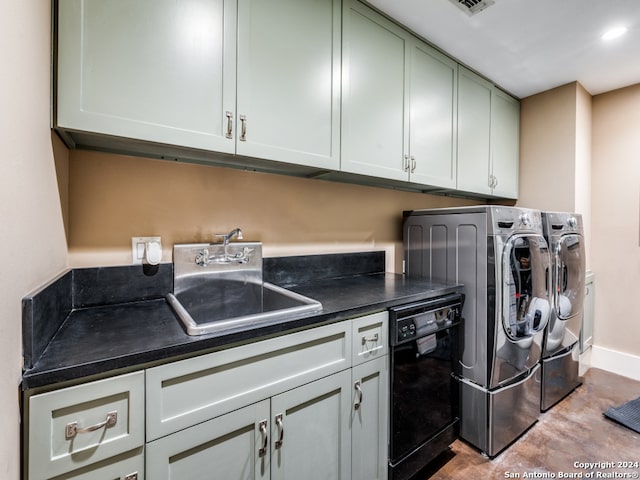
[{"x": 138, "y": 245}]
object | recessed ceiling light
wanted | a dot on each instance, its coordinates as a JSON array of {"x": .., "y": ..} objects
[{"x": 614, "y": 33}]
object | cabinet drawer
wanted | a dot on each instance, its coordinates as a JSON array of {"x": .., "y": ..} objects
[
  {"x": 370, "y": 337},
  {"x": 191, "y": 391},
  {"x": 126, "y": 466},
  {"x": 77, "y": 426}
]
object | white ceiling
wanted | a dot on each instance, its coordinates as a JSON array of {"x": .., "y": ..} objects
[{"x": 529, "y": 46}]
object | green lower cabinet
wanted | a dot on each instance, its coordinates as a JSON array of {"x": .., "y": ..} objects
[
  {"x": 91, "y": 431},
  {"x": 302, "y": 433},
  {"x": 310, "y": 430},
  {"x": 326, "y": 429},
  {"x": 369, "y": 420},
  {"x": 227, "y": 447},
  {"x": 302, "y": 406}
]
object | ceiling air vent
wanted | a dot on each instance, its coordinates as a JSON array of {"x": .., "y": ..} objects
[{"x": 471, "y": 7}]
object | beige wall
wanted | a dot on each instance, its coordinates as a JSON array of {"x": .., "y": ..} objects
[
  {"x": 591, "y": 145},
  {"x": 555, "y": 153},
  {"x": 114, "y": 197},
  {"x": 32, "y": 239},
  {"x": 583, "y": 163},
  {"x": 616, "y": 218},
  {"x": 548, "y": 143}
]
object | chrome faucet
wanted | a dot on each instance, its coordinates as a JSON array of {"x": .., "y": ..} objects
[
  {"x": 236, "y": 232},
  {"x": 204, "y": 258}
]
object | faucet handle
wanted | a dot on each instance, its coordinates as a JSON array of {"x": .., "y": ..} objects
[{"x": 202, "y": 258}]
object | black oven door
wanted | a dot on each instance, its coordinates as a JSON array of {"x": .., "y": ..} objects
[{"x": 424, "y": 394}]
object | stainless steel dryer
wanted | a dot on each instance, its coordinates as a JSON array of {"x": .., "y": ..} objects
[
  {"x": 501, "y": 257},
  {"x": 565, "y": 235}
]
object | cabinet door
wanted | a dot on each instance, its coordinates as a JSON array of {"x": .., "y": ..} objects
[
  {"x": 374, "y": 86},
  {"x": 505, "y": 144},
  {"x": 312, "y": 424},
  {"x": 369, "y": 420},
  {"x": 288, "y": 81},
  {"x": 433, "y": 109},
  {"x": 474, "y": 132},
  {"x": 154, "y": 70},
  {"x": 227, "y": 447}
]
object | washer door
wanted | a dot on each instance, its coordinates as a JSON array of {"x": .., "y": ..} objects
[
  {"x": 568, "y": 294},
  {"x": 525, "y": 292},
  {"x": 569, "y": 276}
]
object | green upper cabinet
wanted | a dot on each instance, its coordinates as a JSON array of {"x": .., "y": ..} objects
[
  {"x": 153, "y": 70},
  {"x": 294, "y": 86},
  {"x": 433, "y": 108},
  {"x": 164, "y": 71},
  {"x": 488, "y": 138},
  {"x": 505, "y": 144},
  {"x": 398, "y": 103},
  {"x": 474, "y": 133},
  {"x": 289, "y": 81},
  {"x": 374, "y": 91}
]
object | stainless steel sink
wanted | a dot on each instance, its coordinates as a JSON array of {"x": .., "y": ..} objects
[{"x": 219, "y": 287}]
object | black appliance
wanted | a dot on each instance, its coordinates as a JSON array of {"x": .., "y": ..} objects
[{"x": 424, "y": 395}]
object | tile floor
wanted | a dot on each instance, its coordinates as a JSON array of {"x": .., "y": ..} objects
[{"x": 572, "y": 431}]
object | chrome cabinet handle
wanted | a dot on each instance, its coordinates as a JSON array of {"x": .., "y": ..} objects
[
  {"x": 495, "y": 181},
  {"x": 413, "y": 164},
  {"x": 280, "y": 429},
  {"x": 132, "y": 476},
  {"x": 243, "y": 128},
  {"x": 405, "y": 163},
  {"x": 229, "y": 116},
  {"x": 358, "y": 402},
  {"x": 265, "y": 439},
  {"x": 72, "y": 429},
  {"x": 370, "y": 339}
]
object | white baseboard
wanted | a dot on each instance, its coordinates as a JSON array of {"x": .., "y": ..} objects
[
  {"x": 613, "y": 361},
  {"x": 585, "y": 361}
]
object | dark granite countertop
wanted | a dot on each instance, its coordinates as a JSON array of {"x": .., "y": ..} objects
[{"x": 100, "y": 338}]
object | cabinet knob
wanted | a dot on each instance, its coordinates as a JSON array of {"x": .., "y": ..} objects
[
  {"x": 358, "y": 402},
  {"x": 265, "y": 439},
  {"x": 243, "y": 128},
  {"x": 229, "y": 133},
  {"x": 280, "y": 429},
  {"x": 72, "y": 429},
  {"x": 370, "y": 339}
]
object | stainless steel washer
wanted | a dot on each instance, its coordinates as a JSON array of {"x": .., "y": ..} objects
[
  {"x": 560, "y": 354},
  {"x": 501, "y": 257}
]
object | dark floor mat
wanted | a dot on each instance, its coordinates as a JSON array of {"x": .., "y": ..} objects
[{"x": 627, "y": 414}]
